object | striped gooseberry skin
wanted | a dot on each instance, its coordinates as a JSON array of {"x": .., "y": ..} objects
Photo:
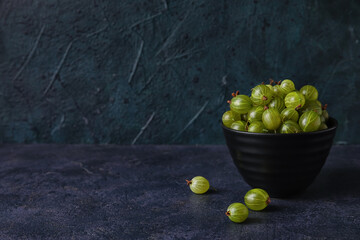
[
  {"x": 310, "y": 121},
  {"x": 228, "y": 118},
  {"x": 237, "y": 212},
  {"x": 198, "y": 185},
  {"x": 311, "y": 106},
  {"x": 257, "y": 199},
  {"x": 289, "y": 114},
  {"x": 255, "y": 114},
  {"x": 310, "y": 92},
  {"x": 270, "y": 87},
  {"x": 277, "y": 91},
  {"x": 238, "y": 125},
  {"x": 240, "y": 104},
  {"x": 257, "y": 127},
  {"x": 294, "y": 100},
  {"x": 277, "y": 103},
  {"x": 290, "y": 126},
  {"x": 287, "y": 86},
  {"x": 271, "y": 119},
  {"x": 261, "y": 95}
]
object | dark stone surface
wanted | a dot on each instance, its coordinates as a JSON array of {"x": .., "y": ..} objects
[
  {"x": 117, "y": 192},
  {"x": 107, "y": 66}
]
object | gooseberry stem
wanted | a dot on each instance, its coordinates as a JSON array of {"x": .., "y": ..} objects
[
  {"x": 264, "y": 98},
  {"x": 227, "y": 213},
  {"x": 266, "y": 107},
  {"x": 324, "y": 107},
  {"x": 188, "y": 182},
  {"x": 268, "y": 201},
  {"x": 298, "y": 107}
]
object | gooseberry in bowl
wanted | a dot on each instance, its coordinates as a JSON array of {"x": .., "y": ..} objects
[
  {"x": 275, "y": 149},
  {"x": 310, "y": 121},
  {"x": 294, "y": 100},
  {"x": 281, "y": 164},
  {"x": 261, "y": 95},
  {"x": 310, "y": 92},
  {"x": 289, "y": 114}
]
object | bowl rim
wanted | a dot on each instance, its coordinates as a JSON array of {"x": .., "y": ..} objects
[{"x": 335, "y": 125}]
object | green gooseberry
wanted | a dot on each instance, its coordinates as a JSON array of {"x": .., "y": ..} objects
[
  {"x": 240, "y": 104},
  {"x": 294, "y": 100},
  {"x": 237, "y": 212},
  {"x": 198, "y": 185},
  {"x": 271, "y": 119},
  {"x": 310, "y": 92},
  {"x": 261, "y": 95},
  {"x": 277, "y": 103},
  {"x": 323, "y": 126},
  {"x": 238, "y": 125},
  {"x": 257, "y": 127},
  {"x": 277, "y": 91},
  {"x": 290, "y": 126},
  {"x": 271, "y": 88},
  {"x": 257, "y": 199},
  {"x": 322, "y": 119},
  {"x": 228, "y": 118},
  {"x": 325, "y": 114},
  {"x": 255, "y": 114},
  {"x": 244, "y": 117},
  {"x": 309, "y": 121},
  {"x": 287, "y": 86},
  {"x": 311, "y": 106},
  {"x": 289, "y": 114}
]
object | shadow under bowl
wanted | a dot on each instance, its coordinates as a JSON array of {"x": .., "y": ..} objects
[{"x": 281, "y": 164}]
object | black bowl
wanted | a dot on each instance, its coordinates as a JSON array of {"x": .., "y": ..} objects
[{"x": 281, "y": 164}]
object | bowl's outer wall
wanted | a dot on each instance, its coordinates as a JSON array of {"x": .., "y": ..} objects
[{"x": 282, "y": 164}]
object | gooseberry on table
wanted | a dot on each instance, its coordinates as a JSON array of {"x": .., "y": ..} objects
[
  {"x": 198, "y": 185},
  {"x": 237, "y": 212},
  {"x": 257, "y": 199}
]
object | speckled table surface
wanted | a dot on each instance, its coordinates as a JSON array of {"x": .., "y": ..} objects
[{"x": 127, "y": 192}]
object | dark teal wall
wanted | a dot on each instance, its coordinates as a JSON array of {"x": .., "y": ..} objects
[{"x": 108, "y": 71}]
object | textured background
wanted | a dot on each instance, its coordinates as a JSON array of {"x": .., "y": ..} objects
[{"x": 161, "y": 71}]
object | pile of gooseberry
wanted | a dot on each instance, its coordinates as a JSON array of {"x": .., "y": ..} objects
[
  {"x": 255, "y": 199},
  {"x": 277, "y": 108}
]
